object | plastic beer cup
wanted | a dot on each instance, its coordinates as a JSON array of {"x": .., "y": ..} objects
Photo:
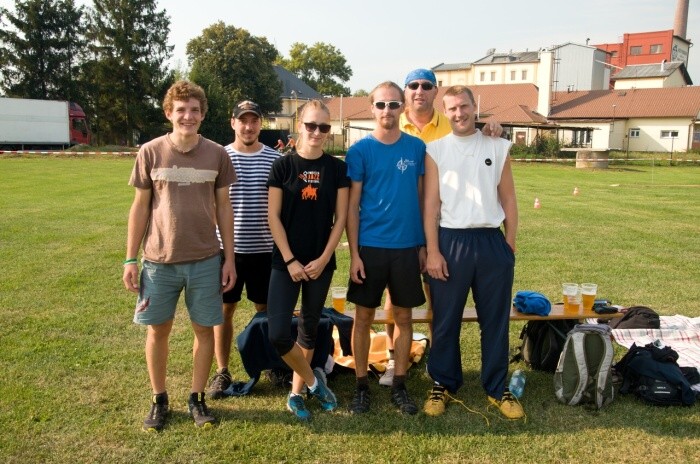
[
  {"x": 588, "y": 294},
  {"x": 572, "y": 297},
  {"x": 338, "y": 294}
]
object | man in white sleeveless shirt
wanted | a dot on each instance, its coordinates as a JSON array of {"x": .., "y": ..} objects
[{"x": 469, "y": 194}]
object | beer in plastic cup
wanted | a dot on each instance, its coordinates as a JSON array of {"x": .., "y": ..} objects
[
  {"x": 572, "y": 297},
  {"x": 588, "y": 294},
  {"x": 339, "y": 294}
]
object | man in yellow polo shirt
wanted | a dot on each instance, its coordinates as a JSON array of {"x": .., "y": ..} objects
[
  {"x": 420, "y": 117},
  {"x": 422, "y": 120}
]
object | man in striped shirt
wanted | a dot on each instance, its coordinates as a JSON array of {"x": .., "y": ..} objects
[{"x": 252, "y": 238}]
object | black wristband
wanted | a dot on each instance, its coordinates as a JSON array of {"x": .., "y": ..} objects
[{"x": 288, "y": 262}]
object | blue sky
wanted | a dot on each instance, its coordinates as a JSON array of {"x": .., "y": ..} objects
[{"x": 384, "y": 40}]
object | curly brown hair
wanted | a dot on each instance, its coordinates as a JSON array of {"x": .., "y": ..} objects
[{"x": 183, "y": 91}]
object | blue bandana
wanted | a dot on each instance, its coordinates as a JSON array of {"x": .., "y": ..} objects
[
  {"x": 529, "y": 302},
  {"x": 424, "y": 74}
]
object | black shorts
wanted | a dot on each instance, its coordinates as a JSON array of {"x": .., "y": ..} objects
[
  {"x": 253, "y": 271},
  {"x": 395, "y": 269}
]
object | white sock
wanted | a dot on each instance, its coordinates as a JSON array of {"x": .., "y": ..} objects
[{"x": 314, "y": 386}]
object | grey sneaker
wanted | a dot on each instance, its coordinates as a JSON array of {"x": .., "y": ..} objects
[
  {"x": 155, "y": 421},
  {"x": 388, "y": 378},
  {"x": 199, "y": 411},
  {"x": 218, "y": 383},
  {"x": 323, "y": 393}
]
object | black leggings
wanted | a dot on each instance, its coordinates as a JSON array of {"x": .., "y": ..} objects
[{"x": 281, "y": 301}]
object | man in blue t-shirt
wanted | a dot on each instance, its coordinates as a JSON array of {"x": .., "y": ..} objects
[{"x": 385, "y": 234}]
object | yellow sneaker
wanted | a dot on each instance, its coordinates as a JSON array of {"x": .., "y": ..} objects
[
  {"x": 508, "y": 405},
  {"x": 436, "y": 402}
]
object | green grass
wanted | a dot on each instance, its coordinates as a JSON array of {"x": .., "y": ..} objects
[{"x": 73, "y": 382}]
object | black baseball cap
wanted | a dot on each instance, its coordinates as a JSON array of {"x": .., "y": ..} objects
[{"x": 246, "y": 106}]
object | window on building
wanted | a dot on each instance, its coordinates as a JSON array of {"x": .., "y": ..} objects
[
  {"x": 439, "y": 83},
  {"x": 613, "y": 54},
  {"x": 636, "y": 50},
  {"x": 634, "y": 132},
  {"x": 669, "y": 134},
  {"x": 512, "y": 75},
  {"x": 482, "y": 76},
  {"x": 656, "y": 49},
  {"x": 523, "y": 75},
  {"x": 493, "y": 76}
]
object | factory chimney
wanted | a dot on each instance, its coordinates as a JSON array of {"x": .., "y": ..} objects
[{"x": 680, "y": 22}]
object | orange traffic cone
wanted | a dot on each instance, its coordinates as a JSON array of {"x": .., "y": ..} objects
[
  {"x": 575, "y": 190},
  {"x": 537, "y": 203}
]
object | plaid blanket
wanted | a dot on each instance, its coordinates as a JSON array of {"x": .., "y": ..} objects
[{"x": 679, "y": 332}]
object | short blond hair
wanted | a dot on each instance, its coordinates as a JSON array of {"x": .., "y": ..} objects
[
  {"x": 387, "y": 85},
  {"x": 459, "y": 89}
]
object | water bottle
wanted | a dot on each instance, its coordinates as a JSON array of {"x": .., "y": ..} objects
[{"x": 517, "y": 383}]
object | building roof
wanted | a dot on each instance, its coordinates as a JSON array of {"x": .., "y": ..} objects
[
  {"x": 510, "y": 57},
  {"x": 505, "y": 103},
  {"x": 629, "y": 103},
  {"x": 451, "y": 66},
  {"x": 656, "y": 70},
  {"x": 291, "y": 82},
  {"x": 353, "y": 108}
]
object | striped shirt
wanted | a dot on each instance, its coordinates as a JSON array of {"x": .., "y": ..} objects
[{"x": 251, "y": 232}]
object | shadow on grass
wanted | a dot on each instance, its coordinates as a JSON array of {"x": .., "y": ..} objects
[{"x": 545, "y": 415}]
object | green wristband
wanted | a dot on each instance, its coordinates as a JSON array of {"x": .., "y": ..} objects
[{"x": 130, "y": 261}]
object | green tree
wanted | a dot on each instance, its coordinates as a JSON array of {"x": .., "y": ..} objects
[
  {"x": 127, "y": 69},
  {"x": 40, "y": 54},
  {"x": 232, "y": 65},
  {"x": 322, "y": 66},
  {"x": 360, "y": 93}
]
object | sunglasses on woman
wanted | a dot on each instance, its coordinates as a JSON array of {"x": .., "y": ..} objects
[
  {"x": 312, "y": 126},
  {"x": 423, "y": 85},
  {"x": 393, "y": 105}
]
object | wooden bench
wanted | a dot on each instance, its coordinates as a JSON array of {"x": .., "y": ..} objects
[{"x": 469, "y": 315}]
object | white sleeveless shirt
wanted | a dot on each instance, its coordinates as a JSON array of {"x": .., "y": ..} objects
[{"x": 469, "y": 171}]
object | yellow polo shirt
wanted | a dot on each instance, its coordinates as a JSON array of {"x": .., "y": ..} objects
[{"x": 436, "y": 128}]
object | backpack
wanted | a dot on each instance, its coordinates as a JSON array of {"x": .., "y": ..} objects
[
  {"x": 653, "y": 375},
  {"x": 637, "y": 317},
  {"x": 542, "y": 342},
  {"x": 584, "y": 371}
]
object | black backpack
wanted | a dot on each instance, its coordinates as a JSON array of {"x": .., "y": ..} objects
[
  {"x": 542, "y": 343},
  {"x": 652, "y": 374}
]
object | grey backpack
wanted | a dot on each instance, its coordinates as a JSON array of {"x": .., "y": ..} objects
[{"x": 584, "y": 373}]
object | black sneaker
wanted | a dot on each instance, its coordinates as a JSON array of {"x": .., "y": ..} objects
[
  {"x": 199, "y": 411},
  {"x": 400, "y": 398},
  {"x": 360, "y": 402},
  {"x": 218, "y": 383},
  {"x": 155, "y": 421}
]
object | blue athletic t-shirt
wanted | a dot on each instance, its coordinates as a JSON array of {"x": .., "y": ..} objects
[{"x": 389, "y": 206}]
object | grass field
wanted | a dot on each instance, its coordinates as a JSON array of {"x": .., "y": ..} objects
[{"x": 73, "y": 383}]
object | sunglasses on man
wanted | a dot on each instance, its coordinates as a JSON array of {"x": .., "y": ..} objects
[
  {"x": 393, "y": 105},
  {"x": 423, "y": 85},
  {"x": 312, "y": 126}
]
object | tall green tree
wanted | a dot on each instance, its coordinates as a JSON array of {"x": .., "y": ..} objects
[
  {"x": 232, "y": 65},
  {"x": 322, "y": 66},
  {"x": 40, "y": 54},
  {"x": 127, "y": 68}
]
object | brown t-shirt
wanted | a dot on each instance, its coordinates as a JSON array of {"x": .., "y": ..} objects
[{"x": 182, "y": 225}]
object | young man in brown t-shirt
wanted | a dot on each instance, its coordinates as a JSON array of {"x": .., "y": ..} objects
[{"x": 182, "y": 182}]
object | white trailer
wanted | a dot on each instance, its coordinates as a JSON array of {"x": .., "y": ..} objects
[{"x": 27, "y": 124}]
